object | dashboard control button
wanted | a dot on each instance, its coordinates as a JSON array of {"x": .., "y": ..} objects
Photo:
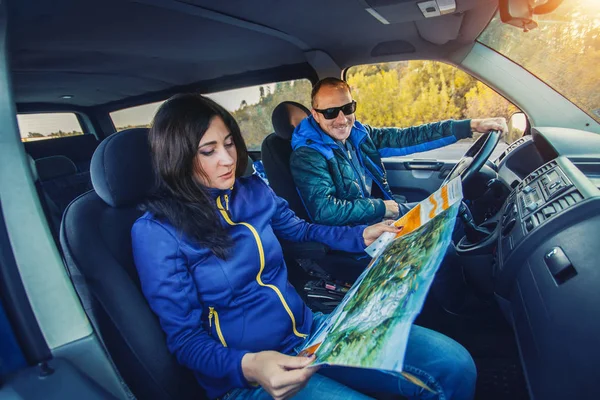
[
  {"x": 529, "y": 225},
  {"x": 527, "y": 189},
  {"x": 548, "y": 211},
  {"x": 559, "y": 265},
  {"x": 532, "y": 206}
]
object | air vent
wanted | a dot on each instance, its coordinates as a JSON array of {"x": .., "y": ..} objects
[
  {"x": 538, "y": 172},
  {"x": 555, "y": 207},
  {"x": 546, "y": 167},
  {"x": 510, "y": 148},
  {"x": 514, "y": 145}
]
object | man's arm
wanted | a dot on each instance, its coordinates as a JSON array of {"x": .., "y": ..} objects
[
  {"x": 418, "y": 138},
  {"x": 318, "y": 193}
]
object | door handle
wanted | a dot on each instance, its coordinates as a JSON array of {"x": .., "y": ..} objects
[{"x": 424, "y": 165}]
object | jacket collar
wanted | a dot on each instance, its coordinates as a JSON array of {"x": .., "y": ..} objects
[
  {"x": 221, "y": 196},
  {"x": 309, "y": 132}
]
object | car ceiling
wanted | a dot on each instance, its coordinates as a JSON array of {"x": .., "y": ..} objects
[{"x": 103, "y": 52}]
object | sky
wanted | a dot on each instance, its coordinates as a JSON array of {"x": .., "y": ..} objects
[{"x": 48, "y": 123}]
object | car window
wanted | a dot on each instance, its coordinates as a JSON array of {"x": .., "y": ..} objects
[
  {"x": 563, "y": 51},
  {"x": 250, "y": 106},
  {"x": 409, "y": 93},
  {"x": 48, "y": 126}
]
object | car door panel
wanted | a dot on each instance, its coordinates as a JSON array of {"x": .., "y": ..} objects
[{"x": 416, "y": 178}]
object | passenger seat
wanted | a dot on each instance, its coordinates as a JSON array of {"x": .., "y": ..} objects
[{"x": 96, "y": 240}]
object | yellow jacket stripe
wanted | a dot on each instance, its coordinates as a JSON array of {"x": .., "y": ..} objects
[{"x": 262, "y": 264}]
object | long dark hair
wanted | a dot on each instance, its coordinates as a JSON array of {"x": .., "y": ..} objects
[{"x": 176, "y": 130}]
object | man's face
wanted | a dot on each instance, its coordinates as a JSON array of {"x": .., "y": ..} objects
[{"x": 340, "y": 127}]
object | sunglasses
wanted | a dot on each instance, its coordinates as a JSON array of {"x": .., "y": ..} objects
[{"x": 333, "y": 112}]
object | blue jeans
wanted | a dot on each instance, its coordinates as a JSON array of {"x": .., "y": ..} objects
[{"x": 438, "y": 361}]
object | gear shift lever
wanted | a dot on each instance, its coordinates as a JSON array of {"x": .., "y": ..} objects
[{"x": 474, "y": 233}]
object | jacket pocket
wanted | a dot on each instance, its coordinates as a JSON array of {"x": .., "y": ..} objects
[{"x": 214, "y": 315}]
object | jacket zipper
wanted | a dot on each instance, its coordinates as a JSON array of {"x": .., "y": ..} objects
[
  {"x": 261, "y": 254},
  {"x": 213, "y": 313}
]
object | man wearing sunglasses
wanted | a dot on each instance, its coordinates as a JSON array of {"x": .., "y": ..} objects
[{"x": 336, "y": 163}]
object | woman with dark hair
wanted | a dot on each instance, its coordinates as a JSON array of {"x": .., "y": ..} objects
[{"x": 212, "y": 269}]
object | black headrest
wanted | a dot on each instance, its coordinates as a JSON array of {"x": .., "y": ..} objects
[
  {"x": 54, "y": 167},
  {"x": 121, "y": 168},
  {"x": 281, "y": 119}
]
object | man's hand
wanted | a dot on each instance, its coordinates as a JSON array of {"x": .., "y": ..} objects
[
  {"x": 488, "y": 124},
  {"x": 391, "y": 209},
  {"x": 281, "y": 376},
  {"x": 371, "y": 233}
]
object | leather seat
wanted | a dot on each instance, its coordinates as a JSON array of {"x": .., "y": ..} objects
[
  {"x": 96, "y": 239},
  {"x": 276, "y": 150}
]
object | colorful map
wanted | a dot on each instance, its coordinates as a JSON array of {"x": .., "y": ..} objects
[{"x": 370, "y": 328}]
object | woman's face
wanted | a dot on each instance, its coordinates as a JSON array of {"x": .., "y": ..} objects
[{"x": 216, "y": 157}]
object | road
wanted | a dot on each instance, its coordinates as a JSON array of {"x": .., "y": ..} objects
[{"x": 454, "y": 152}]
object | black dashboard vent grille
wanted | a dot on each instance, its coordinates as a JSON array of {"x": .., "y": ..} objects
[
  {"x": 546, "y": 167},
  {"x": 538, "y": 172},
  {"x": 514, "y": 145},
  {"x": 557, "y": 206},
  {"x": 511, "y": 147}
]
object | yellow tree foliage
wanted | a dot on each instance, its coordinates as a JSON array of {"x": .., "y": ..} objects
[
  {"x": 481, "y": 100},
  {"x": 409, "y": 93}
]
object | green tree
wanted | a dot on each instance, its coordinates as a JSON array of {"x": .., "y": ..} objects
[{"x": 255, "y": 119}]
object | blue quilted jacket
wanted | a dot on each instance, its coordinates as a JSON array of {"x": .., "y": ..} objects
[{"x": 327, "y": 181}]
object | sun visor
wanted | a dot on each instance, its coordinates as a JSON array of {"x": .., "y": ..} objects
[{"x": 440, "y": 30}]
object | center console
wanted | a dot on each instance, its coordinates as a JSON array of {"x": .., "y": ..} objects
[
  {"x": 533, "y": 211},
  {"x": 546, "y": 275}
]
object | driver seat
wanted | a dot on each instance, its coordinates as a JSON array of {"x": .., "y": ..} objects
[{"x": 275, "y": 152}]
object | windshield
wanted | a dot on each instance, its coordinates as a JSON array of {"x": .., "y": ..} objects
[{"x": 564, "y": 51}]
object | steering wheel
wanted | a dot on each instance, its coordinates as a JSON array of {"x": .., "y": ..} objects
[{"x": 474, "y": 158}]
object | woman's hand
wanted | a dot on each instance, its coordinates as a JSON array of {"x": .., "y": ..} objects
[
  {"x": 279, "y": 375},
  {"x": 371, "y": 233}
]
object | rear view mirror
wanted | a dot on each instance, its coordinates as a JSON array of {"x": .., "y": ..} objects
[{"x": 520, "y": 13}]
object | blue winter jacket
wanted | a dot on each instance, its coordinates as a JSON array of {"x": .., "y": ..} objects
[
  {"x": 214, "y": 311},
  {"x": 327, "y": 180}
]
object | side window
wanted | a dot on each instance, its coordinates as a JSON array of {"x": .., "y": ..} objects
[
  {"x": 134, "y": 117},
  {"x": 409, "y": 93},
  {"x": 250, "y": 106},
  {"x": 48, "y": 126}
]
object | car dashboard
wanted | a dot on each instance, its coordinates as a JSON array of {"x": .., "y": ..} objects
[{"x": 546, "y": 269}]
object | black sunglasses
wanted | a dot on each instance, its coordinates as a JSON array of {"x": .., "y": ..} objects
[{"x": 333, "y": 112}]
